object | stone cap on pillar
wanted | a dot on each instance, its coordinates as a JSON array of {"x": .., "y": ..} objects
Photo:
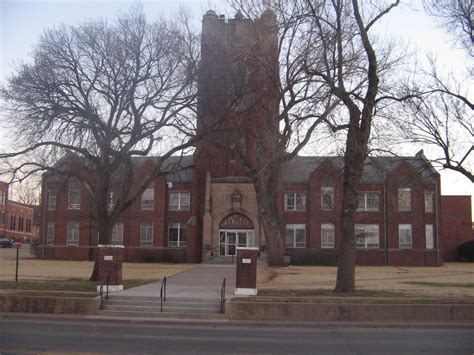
[{"x": 109, "y": 246}]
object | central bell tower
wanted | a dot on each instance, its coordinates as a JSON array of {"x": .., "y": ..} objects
[{"x": 238, "y": 83}]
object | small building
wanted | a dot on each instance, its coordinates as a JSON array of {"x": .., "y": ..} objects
[{"x": 16, "y": 219}]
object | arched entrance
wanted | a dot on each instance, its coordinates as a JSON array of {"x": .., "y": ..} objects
[{"x": 236, "y": 230}]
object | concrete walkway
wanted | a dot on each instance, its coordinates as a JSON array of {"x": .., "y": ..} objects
[{"x": 203, "y": 281}]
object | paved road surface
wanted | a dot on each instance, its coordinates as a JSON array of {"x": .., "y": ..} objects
[{"x": 38, "y": 336}]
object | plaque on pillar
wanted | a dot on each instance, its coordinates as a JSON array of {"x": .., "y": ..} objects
[
  {"x": 246, "y": 277},
  {"x": 110, "y": 267}
]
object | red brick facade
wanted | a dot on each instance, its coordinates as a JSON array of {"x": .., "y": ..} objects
[
  {"x": 455, "y": 226},
  {"x": 16, "y": 219}
]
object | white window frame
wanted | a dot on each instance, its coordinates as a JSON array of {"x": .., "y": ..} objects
[
  {"x": 52, "y": 200},
  {"x": 293, "y": 228},
  {"x": 3, "y": 197},
  {"x": 370, "y": 233},
  {"x": 327, "y": 190},
  {"x": 294, "y": 206},
  {"x": 146, "y": 234},
  {"x": 182, "y": 204},
  {"x": 182, "y": 229},
  {"x": 405, "y": 236},
  {"x": 364, "y": 197},
  {"x": 50, "y": 233},
  {"x": 73, "y": 229},
  {"x": 429, "y": 236},
  {"x": 117, "y": 234},
  {"x": 148, "y": 199},
  {"x": 401, "y": 197},
  {"x": 74, "y": 205},
  {"x": 429, "y": 201},
  {"x": 112, "y": 201},
  {"x": 327, "y": 236}
]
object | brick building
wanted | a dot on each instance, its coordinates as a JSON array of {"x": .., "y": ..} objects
[
  {"x": 16, "y": 219},
  {"x": 211, "y": 209}
]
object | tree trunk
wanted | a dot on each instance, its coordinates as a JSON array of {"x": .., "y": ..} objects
[
  {"x": 356, "y": 150},
  {"x": 266, "y": 191}
]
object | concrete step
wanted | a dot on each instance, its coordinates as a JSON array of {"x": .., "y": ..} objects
[
  {"x": 166, "y": 308},
  {"x": 132, "y": 314},
  {"x": 120, "y": 298}
]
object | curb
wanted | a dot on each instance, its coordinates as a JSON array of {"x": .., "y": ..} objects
[{"x": 328, "y": 325}]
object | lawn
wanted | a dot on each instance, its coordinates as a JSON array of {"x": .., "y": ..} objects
[
  {"x": 449, "y": 280},
  {"x": 452, "y": 280},
  {"x": 31, "y": 269}
]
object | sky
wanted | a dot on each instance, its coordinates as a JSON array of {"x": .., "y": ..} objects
[{"x": 23, "y": 21}]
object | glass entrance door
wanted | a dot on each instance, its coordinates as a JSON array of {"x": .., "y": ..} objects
[{"x": 230, "y": 239}]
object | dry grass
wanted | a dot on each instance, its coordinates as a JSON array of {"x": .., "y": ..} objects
[
  {"x": 450, "y": 280},
  {"x": 36, "y": 269}
]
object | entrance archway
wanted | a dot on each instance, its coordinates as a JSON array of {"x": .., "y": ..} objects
[{"x": 236, "y": 230}]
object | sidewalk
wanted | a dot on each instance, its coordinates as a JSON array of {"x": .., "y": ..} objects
[{"x": 204, "y": 281}]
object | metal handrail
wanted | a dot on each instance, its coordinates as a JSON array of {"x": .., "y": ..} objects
[
  {"x": 162, "y": 293},
  {"x": 223, "y": 297},
  {"x": 101, "y": 292},
  {"x": 107, "y": 280}
]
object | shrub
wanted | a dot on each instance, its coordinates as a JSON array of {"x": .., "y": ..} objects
[{"x": 466, "y": 251}]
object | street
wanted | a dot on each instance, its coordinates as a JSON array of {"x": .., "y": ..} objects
[{"x": 26, "y": 336}]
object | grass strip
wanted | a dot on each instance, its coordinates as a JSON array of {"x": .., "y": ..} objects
[
  {"x": 69, "y": 285},
  {"x": 439, "y": 284}
]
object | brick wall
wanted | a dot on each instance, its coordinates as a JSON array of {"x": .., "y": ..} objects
[{"x": 456, "y": 224}]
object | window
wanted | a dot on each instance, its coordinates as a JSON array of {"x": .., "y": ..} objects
[
  {"x": 428, "y": 202},
  {"x": 148, "y": 199},
  {"x": 429, "y": 236},
  {"x": 72, "y": 233},
  {"x": 50, "y": 233},
  {"x": 404, "y": 199},
  {"x": 367, "y": 236},
  {"x": 404, "y": 236},
  {"x": 2, "y": 217},
  {"x": 3, "y": 197},
  {"x": 112, "y": 201},
  {"x": 146, "y": 234},
  {"x": 51, "y": 200},
  {"x": 368, "y": 201},
  {"x": 74, "y": 197},
  {"x": 327, "y": 198},
  {"x": 295, "y": 201},
  {"x": 177, "y": 235},
  {"x": 179, "y": 201},
  {"x": 117, "y": 234},
  {"x": 296, "y": 235},
  {"x": 327, "y": 236}
]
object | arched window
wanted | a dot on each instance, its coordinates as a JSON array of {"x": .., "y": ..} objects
[{"x": 236, "y": 221}]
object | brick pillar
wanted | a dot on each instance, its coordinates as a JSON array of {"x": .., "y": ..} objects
[
  {"x": 110, "y": 264},
  {"x": 246, "y": 278}
]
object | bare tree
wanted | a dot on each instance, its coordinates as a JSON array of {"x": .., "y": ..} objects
[
  {"x": 457, "y": 18},
  {"x": 442, "y": 118},
  {"x": 97, "y": 95},
  {"x": 330, "y": 72},
  {"x": 27, "y": 192},
  {"x": 442, "y": 112},
  {"x": 355, "y": 68}
]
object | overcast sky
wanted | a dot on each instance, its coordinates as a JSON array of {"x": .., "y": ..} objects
[{"x": 23, "y": 21}]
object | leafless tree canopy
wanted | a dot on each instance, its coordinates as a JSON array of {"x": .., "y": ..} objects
[
  {"x": 99, "y": 94},
  {"x": 457, "y": 18}
]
